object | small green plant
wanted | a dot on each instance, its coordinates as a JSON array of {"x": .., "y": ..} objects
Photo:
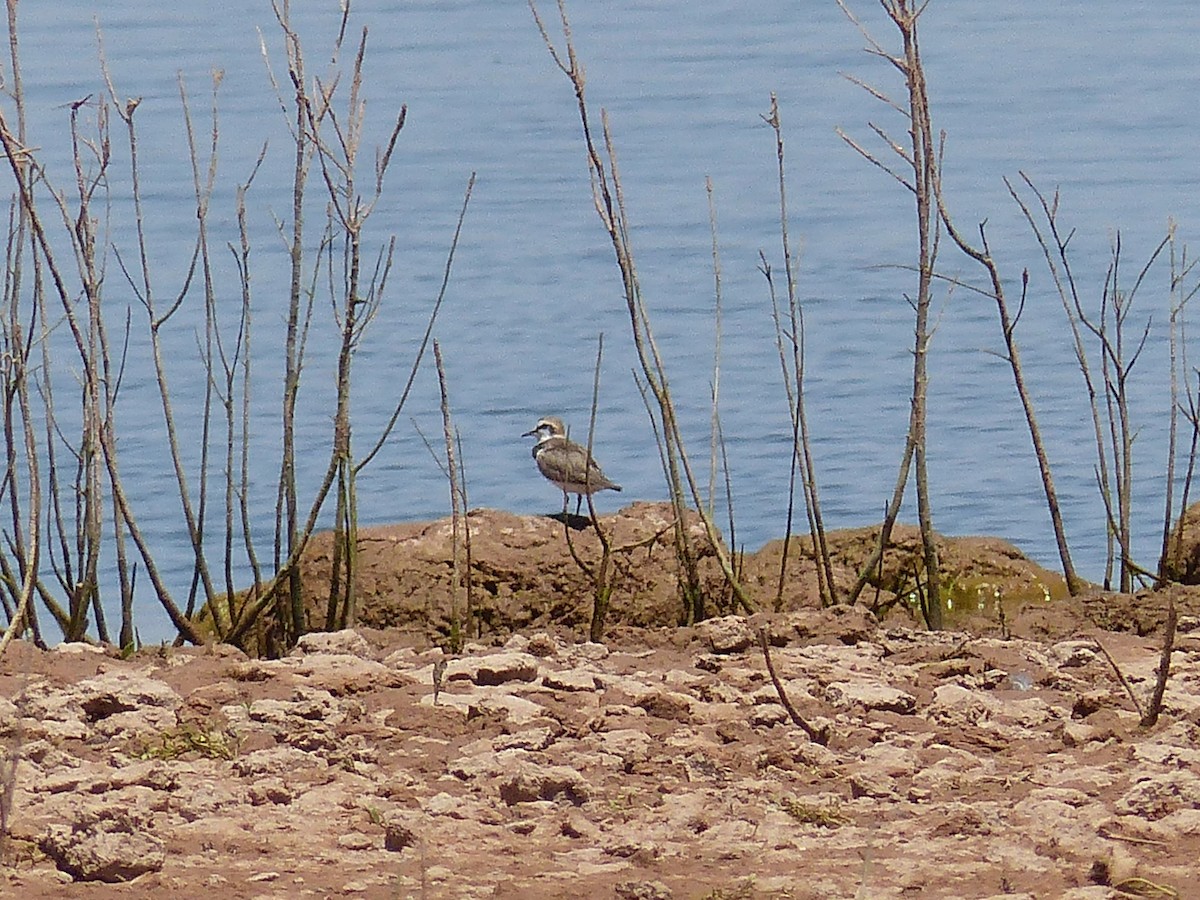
[
  {"x": 822, "y": 815},
  {"x": 214, "y": 743}
]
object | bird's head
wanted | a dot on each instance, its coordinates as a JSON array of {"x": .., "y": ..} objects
[{"x": 546, "y": 428}]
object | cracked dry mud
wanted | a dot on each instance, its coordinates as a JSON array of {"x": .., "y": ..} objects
[{"x": 660, "y": 765}]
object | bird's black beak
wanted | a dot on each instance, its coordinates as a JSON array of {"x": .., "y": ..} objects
[{"x": 530, "y": 433}]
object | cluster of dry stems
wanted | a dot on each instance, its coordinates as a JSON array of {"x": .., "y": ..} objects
[{"x": 65, "y": 485}]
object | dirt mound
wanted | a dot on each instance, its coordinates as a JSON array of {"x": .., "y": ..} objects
[
  {"x": 523, "y": 574},
  {"x": 976, "y": 571}
]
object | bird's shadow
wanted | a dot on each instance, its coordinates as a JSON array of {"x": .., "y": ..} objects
[{"x": 571, "y": 520}]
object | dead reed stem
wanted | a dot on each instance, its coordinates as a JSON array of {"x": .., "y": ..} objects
[
  {"x": 457, "y": 510},
  {"x": 921, "y": 159},
  {"x": 791, "y": 337}
]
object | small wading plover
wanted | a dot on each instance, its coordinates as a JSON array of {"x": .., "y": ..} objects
[{"x": 565, "y": 462}]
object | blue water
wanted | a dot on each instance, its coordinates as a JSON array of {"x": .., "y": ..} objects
[{"x": 1094, "y": 99}]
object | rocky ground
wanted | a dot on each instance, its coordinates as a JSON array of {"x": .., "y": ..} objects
[{"x": 976, "y": 763}]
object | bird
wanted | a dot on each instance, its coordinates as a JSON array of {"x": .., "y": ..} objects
[{"x": 566, "y": 463}]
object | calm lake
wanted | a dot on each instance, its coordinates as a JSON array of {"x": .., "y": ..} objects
[{"x": 1094, "y": 99}]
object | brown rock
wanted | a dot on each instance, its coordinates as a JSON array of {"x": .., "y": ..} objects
[
  {"x": 667, "y": 705},
  {"x": 726, "y": 634},
  {"x": 642, "y": 890},
  {"x": 398, "y": 835},
  {"x": 1160, "y": 795},
  {"x": 532, "y": 782},
  {"x": 870, "y": 696},
  {"x": 104, "y": 844},
  {"x": 495, "y": 668}
]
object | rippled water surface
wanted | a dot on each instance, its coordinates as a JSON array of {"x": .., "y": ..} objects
[{"x": 1095, "y": 99}]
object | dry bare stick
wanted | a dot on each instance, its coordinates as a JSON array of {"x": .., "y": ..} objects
[
  {"x": 719, "y": 451},
  {"x": 1117, "y": 364},
  {"x": 291, "y": 536},
  {"x": 609, "y": 200},
  {"x": 1180, "y": 270},
  {"x": 229, "y": 361},
  {"x": 469, "y": 592},
  {"x": 1008, "y": 323},
  {"x": 356, "y": 298},
  {"x": 103, "y": 373},
  {"x": 1150, "y": 717},
  {"x": 289, "y": 540},
  {"x": 793, "y": 381},
  {"x": 17, "y": 345},
  {"x": 922, "y": 160},
  {"x": 1137, "y": 886},
  {"x": 28, "y": 559},
  {"x": 155, "y": 320},
  {"x": 715, "y": 386},
  {"x": 91, "y": 369},
  {"x": 203, "y": 181},
  {"x": 602, "y": 582},
  {"x": 310, "y": 114},
  {"x": 456, "y": 509},
  {"x": 1059, "y": 265},
  {"x": 1106, "y": 831},
  {"x": 738, "y": 555},
  {"x": 1137, "y": 704},
  {"x": 112, "y": 367},
  {"x": 10, "y": 480},
  {"x": 678, "y": 464},
  {"x": 816, "y": 735},
  {"x": 1110, "y": 359},
  {"x": 81, "y": 224},
  {"x": 346, "y": 219},
  {"x": 460, "y": 571},
  {"x": 1175, "y": 310},
  {"x": 16, "y": 370},
  {"x": 18, "y": 373},
  {"x": 241, "y": 258}
]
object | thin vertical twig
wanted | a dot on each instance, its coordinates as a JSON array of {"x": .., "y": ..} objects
[
  {"x": 456, "y": 506},
  {"x": 922, "y": 159},
  {"x": 801, "y": 463},
  {"x": 602, "y": 583}
]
